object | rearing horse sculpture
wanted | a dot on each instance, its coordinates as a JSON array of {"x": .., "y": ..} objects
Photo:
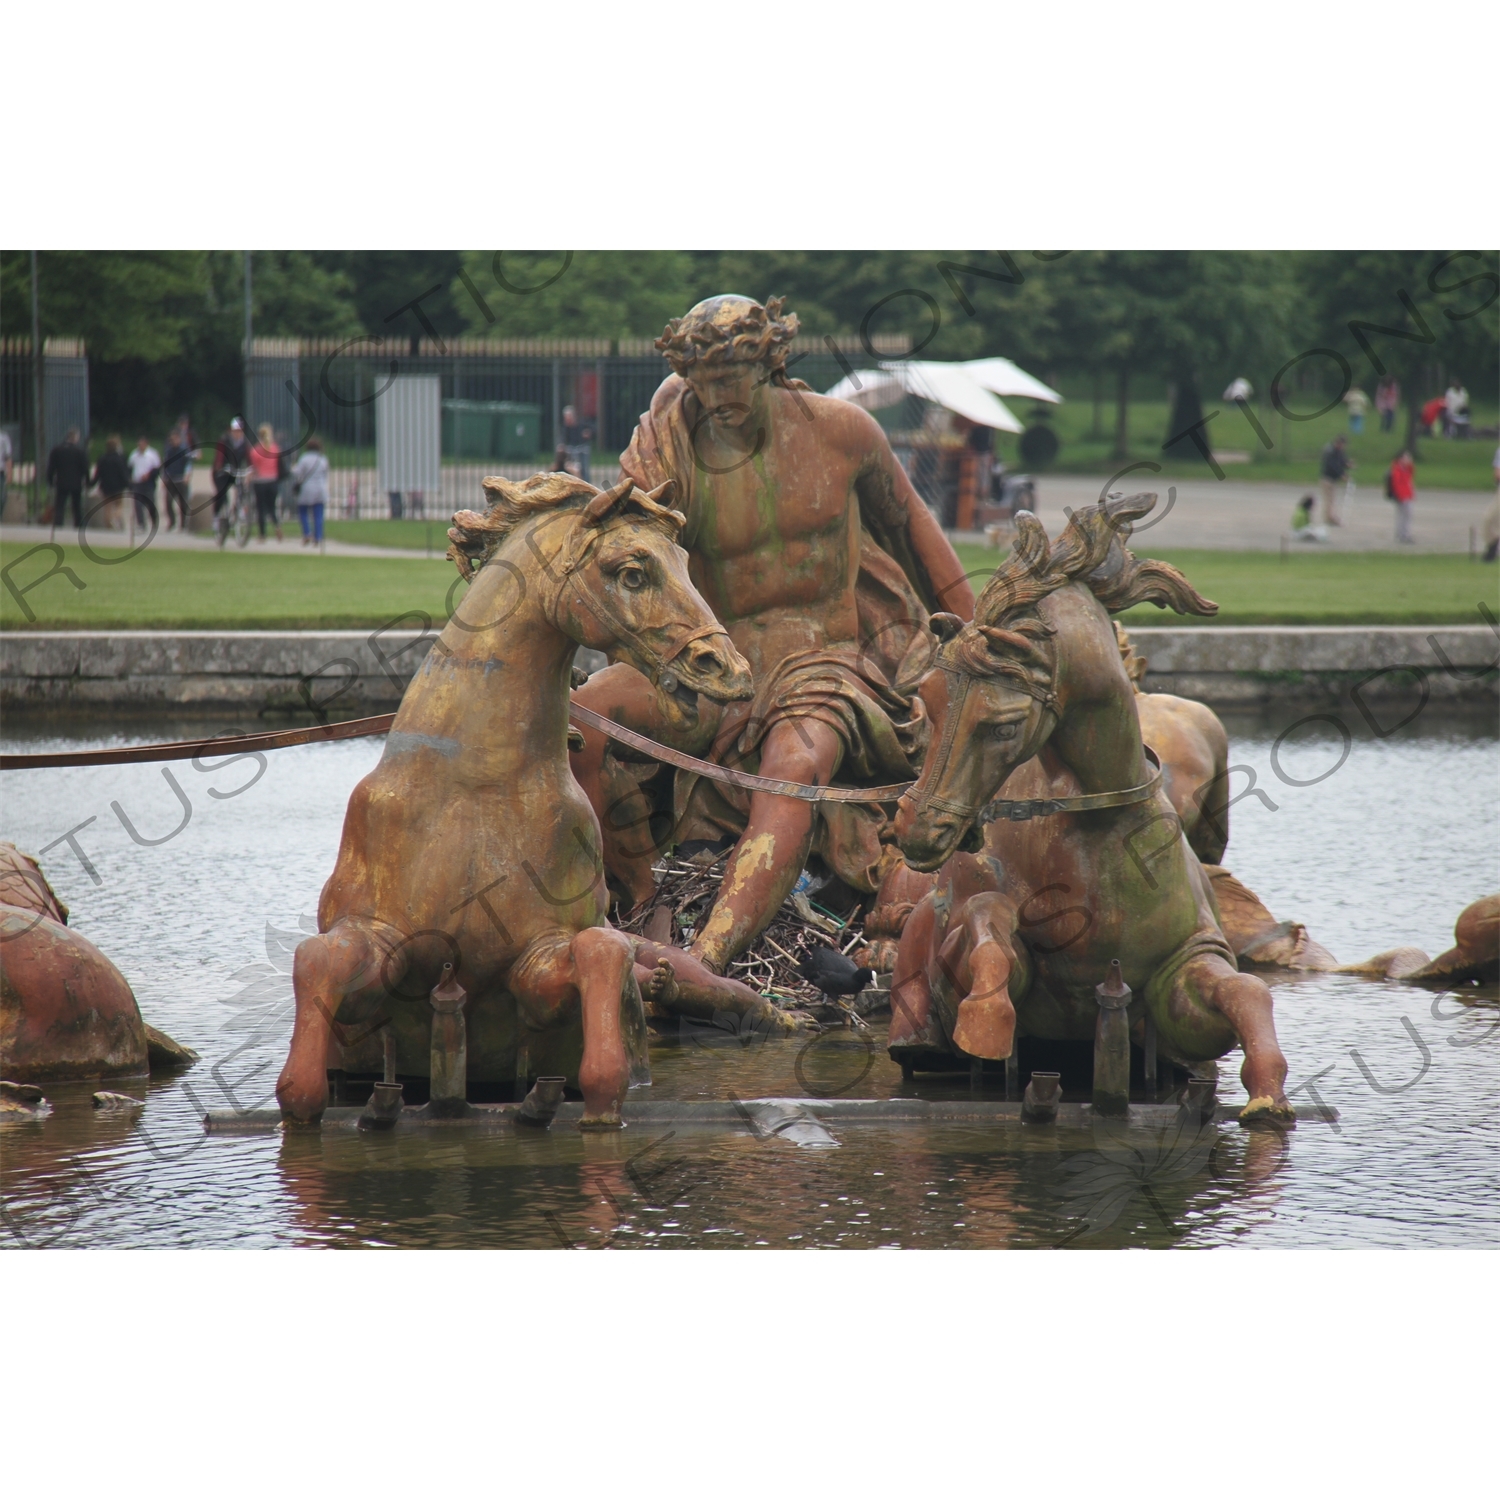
[
  {"x": 1032, "y": 699},
  {"x": 472, "y": 843}
]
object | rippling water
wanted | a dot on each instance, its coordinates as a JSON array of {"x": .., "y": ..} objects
[{"x": 1385, "y": 850}]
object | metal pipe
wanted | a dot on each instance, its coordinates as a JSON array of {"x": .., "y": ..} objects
[
  {"x": 541, "y": 1104},
  {"x": 449, "y": 1065},
  {"x": 249, "y": 336},
  {"x": 38, "y": 392},
  {"x": 1043, "y": 1093},
  {"x": 1112, "y": 1045}
]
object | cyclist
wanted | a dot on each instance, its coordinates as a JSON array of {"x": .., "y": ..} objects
[{"x": 231, "y": 462}]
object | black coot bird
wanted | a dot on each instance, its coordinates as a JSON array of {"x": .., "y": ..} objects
[{"x": 834, "y": 973}]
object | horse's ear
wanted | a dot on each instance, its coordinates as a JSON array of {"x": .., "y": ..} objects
[
  {"x": 605, "y": 501},
  {"x": 664, "y": 493},
  {"x": 945, "y": 626}
]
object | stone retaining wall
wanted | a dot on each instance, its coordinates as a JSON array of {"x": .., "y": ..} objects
[{"x": 356, "y": 671}]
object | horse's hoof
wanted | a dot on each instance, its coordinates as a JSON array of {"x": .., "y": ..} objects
[
  {"x": 610, "y": 1121},
  {"x": 1265, "y": 1113}
]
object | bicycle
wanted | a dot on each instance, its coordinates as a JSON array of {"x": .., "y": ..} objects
[{"x": 235, "y": 516}]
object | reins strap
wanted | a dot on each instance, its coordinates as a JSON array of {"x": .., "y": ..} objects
[
  {"x": 1022, "y": 811},
  {"x": 729, "y": 777}
]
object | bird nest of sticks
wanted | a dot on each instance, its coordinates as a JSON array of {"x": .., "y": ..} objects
[{"x": 686, "y": 889}]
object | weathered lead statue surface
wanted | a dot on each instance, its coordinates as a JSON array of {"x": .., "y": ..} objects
[{"x": 807, "y": 541}]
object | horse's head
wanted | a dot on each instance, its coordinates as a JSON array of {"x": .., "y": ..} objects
[
  {"x": 625, "y": 590},
  {"x": 1000, "y": 685},
  {"x": 991, "y": 697}
]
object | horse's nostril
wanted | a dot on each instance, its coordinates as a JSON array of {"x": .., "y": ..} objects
[{"x": 706, "y": 659}]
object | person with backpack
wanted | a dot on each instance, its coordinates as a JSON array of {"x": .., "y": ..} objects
[
  {"x": 1333, "y": 469},
  {"x": 1401, "y": 486},
  {"x": 231, "y": 455}
]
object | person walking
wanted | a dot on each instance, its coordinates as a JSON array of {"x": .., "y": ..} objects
[
  {"x": 310, "y": 491},
  {"x": 177, "y": 463},
  {"x": 7, "y": 455},
  {"x": 1401, "y": 485},
  {"x": 265, "y": 464},
  {"x": 68, "y": 470},
  {"x": 1333, "y": 469},
  {"x": 112, "y": 475},
  {"x": 1357, "y": 404},
  {"x": 1455, "y": 410},
  {"x": 577, "y": 443},
  {"x": 145, "y": 465},
  {"x": 1388, "y": 401}
]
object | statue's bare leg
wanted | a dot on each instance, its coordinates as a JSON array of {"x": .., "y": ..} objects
[
  {"x": 765, "y": 864},
  {"x": 686, "y": 986},
  {"x": 1210, "y": 984},
  {"x": 327, "y": 969}
]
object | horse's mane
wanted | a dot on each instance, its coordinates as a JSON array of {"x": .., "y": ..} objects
[
  {"x": 474, "y": 538},
  {"x": 1008, "y": 638}
]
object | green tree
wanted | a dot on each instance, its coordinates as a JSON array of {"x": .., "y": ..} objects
[
  {"x": 580, "y": 294},
  {"x": 1417, "y": 314},
  {"x": 128, "y": 304}
]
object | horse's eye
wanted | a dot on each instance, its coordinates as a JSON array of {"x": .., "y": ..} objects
[
  {"x": 1005, "y": 731},
  {"x": 633, "y": 577}
]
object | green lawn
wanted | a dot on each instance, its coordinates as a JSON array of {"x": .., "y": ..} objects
[
  {"x": 159, "y": 590},
  {"x": 1349, "y": 588},
  {"x": 1293, "y": 458},
  {"x": 251, "y": 590},
  {"x": 407, "y": 536}
]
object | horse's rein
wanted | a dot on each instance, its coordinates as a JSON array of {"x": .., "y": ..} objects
[{"x": 353, "y": 729}]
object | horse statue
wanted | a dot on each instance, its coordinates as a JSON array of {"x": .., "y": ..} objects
[
  {"x": 472, "y": 844},
  {"x": 1084, "y": 859}
]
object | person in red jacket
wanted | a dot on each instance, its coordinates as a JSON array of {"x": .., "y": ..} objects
[{"x": 1403, "y": 487}]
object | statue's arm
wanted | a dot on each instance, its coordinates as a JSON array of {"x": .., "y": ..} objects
[{"x": 889, "y": 504}]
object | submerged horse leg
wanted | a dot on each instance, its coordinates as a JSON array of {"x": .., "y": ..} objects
[
  {"x": 327, "y": 970},
  {"x": 912, "y": 1021},
  {"x": 984, "y": 936},
  {"x": 594, "y": 967},
  {"x": 1245, "y": 1003}
]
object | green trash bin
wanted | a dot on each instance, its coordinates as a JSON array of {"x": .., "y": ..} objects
[{"x": 491, "y": 429}]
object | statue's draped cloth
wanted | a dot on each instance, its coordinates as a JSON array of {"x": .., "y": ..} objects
[{"x": 864, "y": 690}]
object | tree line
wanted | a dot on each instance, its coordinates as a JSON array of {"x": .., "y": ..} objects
[{"x": 164, "y": 328}]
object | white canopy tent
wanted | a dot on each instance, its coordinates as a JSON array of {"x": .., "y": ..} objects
[{"x": 971, "y": 388}]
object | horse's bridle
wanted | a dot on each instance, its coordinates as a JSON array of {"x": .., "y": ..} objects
[
  {"x": 578, "y": 555},
  {"x": 1017, "y": 810}
]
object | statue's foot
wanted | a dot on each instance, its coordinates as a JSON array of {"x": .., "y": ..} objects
[
  {"x": 1267, "y": 1113},
  {"x": 986, "y": 1027},
  {"x": 661, "y": 987},
  {"x": 774, "y": 1021},
  {"x": 609, "y": 1120}
]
